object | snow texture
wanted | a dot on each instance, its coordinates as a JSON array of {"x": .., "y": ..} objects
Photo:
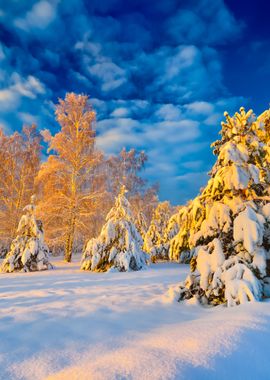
[{"x": 67, "y": 324}]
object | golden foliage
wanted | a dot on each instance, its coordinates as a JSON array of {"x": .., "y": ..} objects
[
  {"x": 19, "y": 164},
  {"x": 69, "y": 180}
]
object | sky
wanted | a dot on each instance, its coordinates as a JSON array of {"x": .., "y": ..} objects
[{"x": 159, "y": 73}]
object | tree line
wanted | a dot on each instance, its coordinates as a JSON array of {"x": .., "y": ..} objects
[{"x": 75, "y": 185}]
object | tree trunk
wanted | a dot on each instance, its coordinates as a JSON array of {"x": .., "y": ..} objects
[{"x": 70, "y": 240}]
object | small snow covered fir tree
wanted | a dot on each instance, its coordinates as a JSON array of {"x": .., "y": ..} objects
[
  {"x": 155, "y": 243},
  {"x": 226, "y": 228},
  {"x": 119, "y": 244},
  {"x": 28, "y": 251}
]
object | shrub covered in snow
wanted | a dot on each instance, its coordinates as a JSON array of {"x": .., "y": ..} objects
[
  {"x": 119, "y": 244},
  {"x": 226, "y": 228},
  {"x": 28, "y": 251},
  {"x": 155, "y": 242}
]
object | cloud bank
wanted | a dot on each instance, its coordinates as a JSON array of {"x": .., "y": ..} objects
[{"x": 153, "y": 70}]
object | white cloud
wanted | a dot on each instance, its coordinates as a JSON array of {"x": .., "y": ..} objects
[
  {"x": 120, "y": 112},
  {"x": 168, "y": 112},
  {"x": 200, "y": 107},
  {"x": 29, "y": 87},
  {"x": 7, "y": 95},
  {"x": 19, "y": 87},
  {"x": 110, "y": 75},
  {"x": 28, "y": 118},
  {"x": 40, "y": 16}
]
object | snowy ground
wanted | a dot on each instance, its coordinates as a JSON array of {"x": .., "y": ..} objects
[{"x": 67, "y": 324}]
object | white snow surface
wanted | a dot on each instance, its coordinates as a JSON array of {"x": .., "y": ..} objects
[{"x": 70, "y": 324}]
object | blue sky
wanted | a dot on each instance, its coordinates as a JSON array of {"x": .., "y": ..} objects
[{"x": 160, "y": 74}]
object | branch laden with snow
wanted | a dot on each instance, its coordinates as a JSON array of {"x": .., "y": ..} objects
[
  {"x": 28, "y": 250},
  {"x": 226, "y": 228},
  {"x": 119, "y": 243}
]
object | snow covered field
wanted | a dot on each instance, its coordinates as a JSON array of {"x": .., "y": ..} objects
[{"x": 68, "y": 324}]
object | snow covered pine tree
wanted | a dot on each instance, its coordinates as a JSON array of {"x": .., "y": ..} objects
[
  {"x": 119, "y": 243},
  {"x": 155, "y": 243},
  {"x": 141, "y": 224},
  {"x": 227, "y": 225},
  {"x": 171, "y": 231},
  {"x": 28, "y": 252}
]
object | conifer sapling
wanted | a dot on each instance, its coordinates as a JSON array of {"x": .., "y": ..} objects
[
  {"x": 119, "y": 244},
  {"x": 28, "y": 251}
]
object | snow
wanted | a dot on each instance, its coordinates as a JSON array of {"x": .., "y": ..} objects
[
  {"x": 249, "y": 227},
  {"x": 233, "y": 153},
  {"x": 217, "y": 220},
  {"x": 207, "y": 263},
  {"x": 266, "y": 211},
  {"x": 71, "y": 324}
]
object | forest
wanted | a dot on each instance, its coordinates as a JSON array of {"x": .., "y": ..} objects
[
  {"x": 74, "y": 183},
  {"x": 104, "y": 210}
]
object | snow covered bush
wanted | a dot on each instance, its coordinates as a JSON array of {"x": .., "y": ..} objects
[
  {"x": 226, "y": 228},
  {"x": 28, "y": 251},
  {"x": 119, "y": 244},
  {"x": 155, "y": 243}
]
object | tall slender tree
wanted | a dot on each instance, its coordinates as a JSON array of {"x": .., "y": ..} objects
[{"x": 68, "y": 180}]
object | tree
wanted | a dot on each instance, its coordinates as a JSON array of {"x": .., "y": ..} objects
[
  {"x": 28, "y": 250},
  {"x": 145, "y": 202},
  {"x": 179, "y": 245},
  {"x": 141, "y": 224},
  {"x": 154, "y": 241},
  {"x": 171, "y": 230},
  {"x": 69, "y": 181},
  {"x": 19, "y": 164},
  {"x": 125, "y": 168},
  {"x": 119, "y": 244},
  {"x": 227, "y": 225}
]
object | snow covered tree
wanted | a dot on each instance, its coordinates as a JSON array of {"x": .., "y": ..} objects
[
  {"x": 119, "y": 244},
  {"x": 171, "y": 231},
  {"x": 19, "y": 164},
  {"x": 69, "y": 181},
  {"x": 226, "y": 228},
  {"x": 155, "y": 243},
  {"x": 28, "y": 251},
  {"x": 125, "y": 168},
  {"x": 141, "y": 224},
  {"x": 179, "y": 245}
]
